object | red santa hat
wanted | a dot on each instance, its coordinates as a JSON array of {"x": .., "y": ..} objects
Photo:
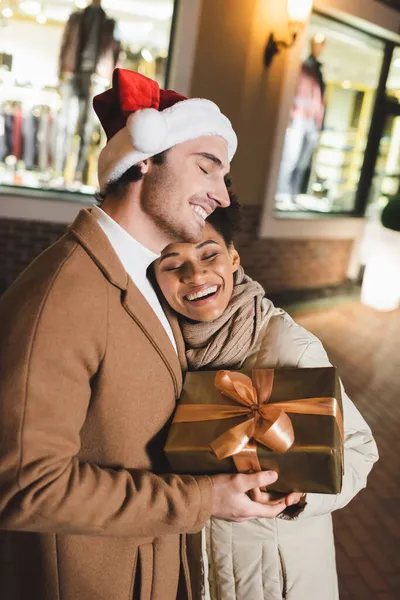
[{"x": 141, "y": 120}]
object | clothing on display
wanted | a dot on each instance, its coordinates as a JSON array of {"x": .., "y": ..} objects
[
  {"x": 307, "y": 118},
  {"x": 76, "y": 41},
  {"x": 89, "y": 52},
  {"x": 49, "y": 74},
  {"x": 300, "y": 142},
  {"x": 26, "y": 134},
  {"x": 76, "y": 115},
  {"x": 6, "y": 61}
]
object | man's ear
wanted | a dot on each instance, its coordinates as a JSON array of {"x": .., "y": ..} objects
[
  {"x": 234, "y": 254},
  {"x": 144, "y": 166}
]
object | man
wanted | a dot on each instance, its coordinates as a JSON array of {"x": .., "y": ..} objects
[{"x": 89, "y": 372}]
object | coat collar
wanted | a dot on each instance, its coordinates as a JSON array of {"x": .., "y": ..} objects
[
  {"x": 176, "y": 330},
  {"x": 91, "y": 237}
]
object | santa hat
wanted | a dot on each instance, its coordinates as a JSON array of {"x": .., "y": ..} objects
[{"x": 141, "y": 120}]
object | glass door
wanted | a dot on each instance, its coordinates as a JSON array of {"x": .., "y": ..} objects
[{"x": 386, "y": 180}]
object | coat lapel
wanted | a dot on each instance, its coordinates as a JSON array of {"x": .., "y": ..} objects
[
  {"x": 90, "y": 235},
  {"x": 141, "y": 312},
  {"x": 176, "y": 330}
]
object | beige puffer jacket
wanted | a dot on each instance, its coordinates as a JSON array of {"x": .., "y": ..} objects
[{"x": 275, "y": 559}]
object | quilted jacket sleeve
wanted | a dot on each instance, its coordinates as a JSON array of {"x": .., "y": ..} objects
[
  {"x": 287, "y": 344},
  {"x": 360, "y": 450}
]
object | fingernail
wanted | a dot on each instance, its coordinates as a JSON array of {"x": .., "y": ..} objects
[{"x": 273, "y": 474}]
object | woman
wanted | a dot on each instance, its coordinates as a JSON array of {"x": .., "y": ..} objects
[{"x": 228, "y": 323}]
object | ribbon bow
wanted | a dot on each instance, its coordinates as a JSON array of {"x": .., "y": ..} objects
[{"x": 265, "y": 422}]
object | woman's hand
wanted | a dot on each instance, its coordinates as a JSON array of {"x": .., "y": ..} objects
[
  {"x": 293, "y": 498},
  {"x": 272, "y": 499}
]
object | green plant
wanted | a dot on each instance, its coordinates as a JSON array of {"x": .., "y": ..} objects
[{"x": 390, "y": 217}]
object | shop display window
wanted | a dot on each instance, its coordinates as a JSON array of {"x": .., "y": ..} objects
[
  {"x": 329, "y": 120},
  {"x": 386, "y": 179},
  {"x": 55, "y": 55}
]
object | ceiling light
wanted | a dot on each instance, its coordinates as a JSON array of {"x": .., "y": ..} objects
[
  {"x": 30, "y": 7},
  {"x": 146, "y": 55},
  {"x": 320, "y": 38},
  {"x": 7, "y": 12},
  {"x": 41, "y": 19}
]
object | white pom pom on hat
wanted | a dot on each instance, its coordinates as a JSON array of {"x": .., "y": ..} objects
[{"x": 148, "y": 129}]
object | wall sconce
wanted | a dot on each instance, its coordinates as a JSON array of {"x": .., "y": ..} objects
[{"x": 298, "y": 11}]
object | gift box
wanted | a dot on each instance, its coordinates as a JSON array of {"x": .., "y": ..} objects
[{"x": 286, "y": 420}]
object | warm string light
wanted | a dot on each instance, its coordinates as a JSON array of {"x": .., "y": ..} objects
[{"x": 31, "y": 8}]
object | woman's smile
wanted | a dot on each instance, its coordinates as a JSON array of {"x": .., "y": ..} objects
[
  {"x": 203, "y": 295},
  {"x": 197, "y": 280}
]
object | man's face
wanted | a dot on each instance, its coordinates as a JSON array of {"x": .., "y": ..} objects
[{"x": 179, "y": 194}]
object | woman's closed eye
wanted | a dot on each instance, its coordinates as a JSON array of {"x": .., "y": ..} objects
[
  {"x": 168, "y": 268},
  {"x": 210, "y": 256},
  {"x": 203, "y": 170}
]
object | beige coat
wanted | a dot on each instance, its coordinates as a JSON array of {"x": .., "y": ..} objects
[
  {"x": 278, "y": 559},
  {"x": 88, "y": 383}
]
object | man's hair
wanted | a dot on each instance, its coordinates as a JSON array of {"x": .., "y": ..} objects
[
  {"x": 227, "y": 221},
  {"x": 119, "y": 187}
]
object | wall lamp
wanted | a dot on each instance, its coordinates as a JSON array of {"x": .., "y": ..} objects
[{"x": 298, "y": 12}]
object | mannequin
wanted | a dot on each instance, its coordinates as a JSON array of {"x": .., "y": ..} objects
[
  {"x": 306, "y": 122},
  {"x": 89, "y": 53}
]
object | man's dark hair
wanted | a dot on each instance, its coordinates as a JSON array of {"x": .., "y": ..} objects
[
  {"x": 226, "y": 221},
  {"x": 119, "y": 187}
]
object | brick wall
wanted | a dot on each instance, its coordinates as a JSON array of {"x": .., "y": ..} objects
[
  {"x": 291, "y": 264},
  {"x": 278, "y": 264},
  {"x": 20, "y": 242}
]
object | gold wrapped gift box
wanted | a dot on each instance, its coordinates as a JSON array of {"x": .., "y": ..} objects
[{"x": 286, "y": 420}]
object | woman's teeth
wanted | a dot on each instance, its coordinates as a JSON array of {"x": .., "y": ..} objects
[
  {"x": 200, "y": 211},
  {"x": 202, "y": 293}
]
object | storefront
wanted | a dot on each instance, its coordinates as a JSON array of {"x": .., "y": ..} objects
[
  {"x": 350, "y": 161},
  {"x": 55, "y": 55},
  {"x": 347, "y": 96},
  {"x": 341, "y": 150},
  {"x": 308, "y": 236}
]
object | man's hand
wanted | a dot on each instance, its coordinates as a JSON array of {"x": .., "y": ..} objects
[{"x": 231, "y": 502}]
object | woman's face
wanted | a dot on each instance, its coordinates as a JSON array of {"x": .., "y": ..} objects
[{"x": 197, "y": 279}]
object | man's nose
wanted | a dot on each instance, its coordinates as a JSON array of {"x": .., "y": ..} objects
[{"x": 220, "y": 194}]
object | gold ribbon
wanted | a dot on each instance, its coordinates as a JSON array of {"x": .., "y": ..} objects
[{"x": 265, "y": 422}]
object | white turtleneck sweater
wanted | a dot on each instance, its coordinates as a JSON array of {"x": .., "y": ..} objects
[{"x": 135, "y": 259}]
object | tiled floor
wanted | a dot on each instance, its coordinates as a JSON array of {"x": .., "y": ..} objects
[{"x": 365, "y": 346}]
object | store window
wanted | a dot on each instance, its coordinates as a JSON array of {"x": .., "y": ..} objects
[
  {"x": 386, "y": 178},
  {"x": 55, "y": 55},
  {"x": 330, "y": 119}
]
